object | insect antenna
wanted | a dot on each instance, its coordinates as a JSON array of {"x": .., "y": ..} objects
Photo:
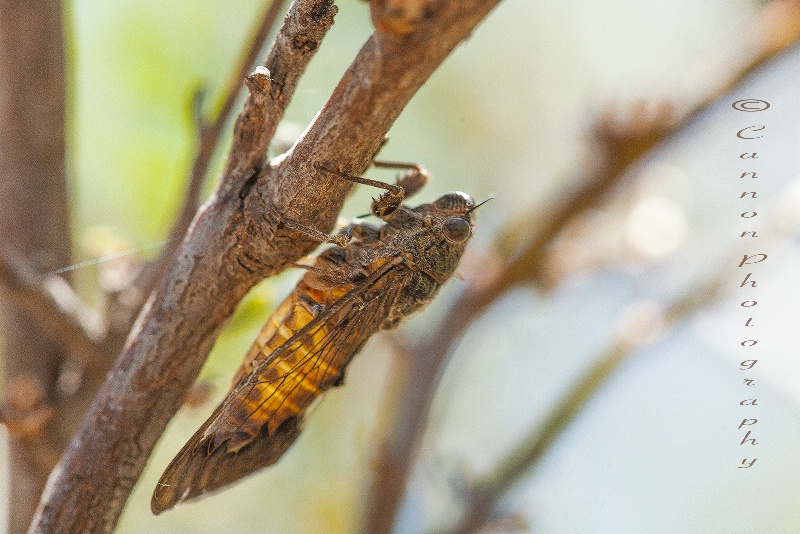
[{"x": 479, "y": 205}]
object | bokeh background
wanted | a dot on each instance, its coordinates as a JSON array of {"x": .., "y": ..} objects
[{"x": 513, "y": 114}]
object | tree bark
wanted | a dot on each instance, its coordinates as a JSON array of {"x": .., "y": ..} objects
[{"x": 33, "y": 222}]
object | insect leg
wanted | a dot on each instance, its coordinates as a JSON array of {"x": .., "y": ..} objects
[
  {"x": 384, "y": 204},
  {"x": 364, "y": 232},
  {"x": 414, "y": 178},
  {"x": 341, "y": 238},
  {"x": 324, "y": 277}
]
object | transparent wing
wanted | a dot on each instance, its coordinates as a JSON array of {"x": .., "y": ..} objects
[{"x": 262, "y": 415}]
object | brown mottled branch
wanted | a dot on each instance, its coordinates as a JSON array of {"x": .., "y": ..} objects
[
  {"x": 237, "y": 238},
  {"x": 622, "y": 147}
]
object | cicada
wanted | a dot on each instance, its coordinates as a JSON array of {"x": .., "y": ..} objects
[{"x": 382, "y": 274}]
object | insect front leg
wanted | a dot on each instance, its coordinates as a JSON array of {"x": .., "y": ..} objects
[
  {"x": 409, "y": 184},
  {"x": 414, "y": 178},
  {"x": 353, "y": 230}
]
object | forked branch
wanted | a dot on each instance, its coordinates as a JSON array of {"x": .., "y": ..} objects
[{"x": 238, "y": 238}]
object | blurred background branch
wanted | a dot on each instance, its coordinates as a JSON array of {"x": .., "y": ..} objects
[
  {"x": 52, "y": 303},
  {"x": 645, "y": 326},
  {"x": 34, "y": 221},
  {"x": 619, "y": 146},
  {"x": 209, "y": 132}
]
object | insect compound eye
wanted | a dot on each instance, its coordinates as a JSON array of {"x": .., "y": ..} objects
[{"x": 456, "y": 230}]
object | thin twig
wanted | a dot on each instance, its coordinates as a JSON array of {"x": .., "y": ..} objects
[
  {"x": 59, "y": 311},
  {"x": 483, "y": 496}
]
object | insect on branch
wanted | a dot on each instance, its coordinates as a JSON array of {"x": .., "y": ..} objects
[{"x": 206, "y": 278}]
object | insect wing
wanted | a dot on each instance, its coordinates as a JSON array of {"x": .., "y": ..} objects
[
  {"x": 285, "y": 382},
  {"x": 243, "y": 434}
]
